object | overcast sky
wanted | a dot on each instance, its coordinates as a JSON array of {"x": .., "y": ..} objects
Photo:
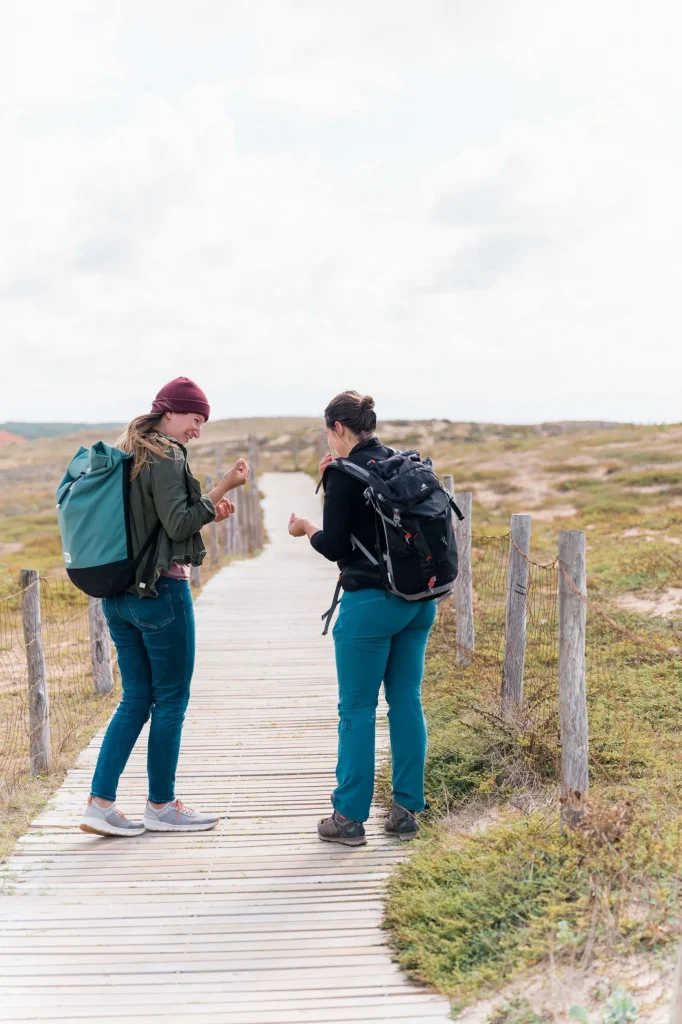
[{"x": 467, "y": 208}]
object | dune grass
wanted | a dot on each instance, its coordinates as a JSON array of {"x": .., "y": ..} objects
[{"x": 469, "y": 911}]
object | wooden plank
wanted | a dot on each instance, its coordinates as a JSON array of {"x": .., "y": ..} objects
[
  {"x": 317, "y": 1015},
  {"x": 258, "y": 914}
]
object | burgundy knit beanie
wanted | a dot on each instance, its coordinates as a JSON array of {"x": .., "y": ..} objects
[{"x": 182, "y": 395}]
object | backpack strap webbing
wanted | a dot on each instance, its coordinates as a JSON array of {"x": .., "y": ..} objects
[
  {"x": 361, "y": 547},
  {"x": 327, "y": 616},
  {"x": 150, "y": 546},
  {"x": 455, "y": 508}
]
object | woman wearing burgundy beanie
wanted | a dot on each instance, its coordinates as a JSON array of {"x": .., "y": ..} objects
[{"x": 152, "y": 623}]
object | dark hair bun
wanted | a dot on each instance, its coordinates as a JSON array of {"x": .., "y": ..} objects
[{"x": 355, "y": 411}]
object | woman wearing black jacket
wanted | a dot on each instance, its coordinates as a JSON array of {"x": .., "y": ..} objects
[{"x": 377, "y": 637}]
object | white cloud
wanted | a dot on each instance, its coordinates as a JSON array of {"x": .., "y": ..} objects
[
  {"x": 519, "y": 261},
  {"x": 56, "y": 53},
  {"x": 341, "y": 58},
  {"x": 625, "y": 44}
]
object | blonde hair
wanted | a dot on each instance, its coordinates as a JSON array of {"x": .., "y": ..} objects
[{"x": 141, "y": 439}]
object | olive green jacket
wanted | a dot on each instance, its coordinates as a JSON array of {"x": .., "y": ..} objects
[{"x": 166, "y": 491}]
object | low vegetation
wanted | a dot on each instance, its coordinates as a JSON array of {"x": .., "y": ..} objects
[{"x": 496, "y": 886}]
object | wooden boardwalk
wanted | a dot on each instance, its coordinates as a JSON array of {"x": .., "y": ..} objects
[{"x": 256, "y": 922}]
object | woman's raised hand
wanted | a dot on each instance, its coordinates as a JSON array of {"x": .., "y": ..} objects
[
  {"x": 329, "y": 458},
  {"x": 238, "y": 475}
]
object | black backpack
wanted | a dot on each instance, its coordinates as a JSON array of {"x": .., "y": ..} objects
[{"x": 415, "y": 548}]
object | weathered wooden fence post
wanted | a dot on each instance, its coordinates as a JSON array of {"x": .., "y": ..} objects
[
  {"x": 515, "y": 621},
  {"x": 244, "y": 520},
  {"x": 221, "y": 527},
  {"x": 572, "y": 696},
  {"x": 238, "y": 527},
  {"x": 212, "y": 534},
  {"x": 100, "y": 648},
  {"x": 257, "y": 523},
  {"x": 40, "y": 753},
  {"x": 254, "y": 461},
  {"x": 232, "y": 527},
  {"x": 254, "y": 454},
  {"x": 295, "y": 448},
  {"x": 255, "y": 498},
  {"x": 464, "y": 591},
  {"x": 195, "y": 575},
  {"x": 255, "y": 516},
  {"x": 321, "y": 443}
]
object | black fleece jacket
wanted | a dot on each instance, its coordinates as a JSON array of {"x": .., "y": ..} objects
[{"x": 346, "y": 511}]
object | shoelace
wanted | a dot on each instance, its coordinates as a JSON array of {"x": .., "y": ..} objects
[
  {"x": 180, "y": 807},
  {"x": 342, "y": 822}
]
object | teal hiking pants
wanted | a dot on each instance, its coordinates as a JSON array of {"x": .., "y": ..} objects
[{"x": 380, "y": 637}]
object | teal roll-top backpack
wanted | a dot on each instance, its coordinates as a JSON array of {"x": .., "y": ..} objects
[{"x": 93, "y": 506}]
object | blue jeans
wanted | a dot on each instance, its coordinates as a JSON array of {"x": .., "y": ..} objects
[
  {"x": 154, "y": 639},
  {"x": 379, "y": 636}
]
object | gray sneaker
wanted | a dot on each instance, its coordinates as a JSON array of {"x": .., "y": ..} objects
[
  {"x": 108, "y": 821},
  {"x": 175, "y": 817}
]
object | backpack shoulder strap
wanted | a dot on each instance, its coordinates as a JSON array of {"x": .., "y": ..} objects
[
  {"x": 349, "y": 468},
  {"x": 359, "y": 473}
]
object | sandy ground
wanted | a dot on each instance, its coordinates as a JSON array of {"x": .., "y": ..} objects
[
  {"x": 634, "y": 531},
  {"x": 10, "y": 549},
  {"x": 649, "y": 979},
  {"x": 669, "y": 603}
]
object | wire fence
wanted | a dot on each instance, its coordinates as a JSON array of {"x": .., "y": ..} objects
[
  {"x": 74, "y": 704},
  {"x": 58, "y": 672},
  {"x": 487, "y": 651},
  {"x": 618, "y": 646}
]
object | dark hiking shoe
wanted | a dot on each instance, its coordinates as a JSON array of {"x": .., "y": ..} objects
[
  {"x": 337, "y": 829},
  {"x": 401, "y": 822}
]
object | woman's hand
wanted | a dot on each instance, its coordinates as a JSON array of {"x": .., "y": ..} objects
[
  {"x": 224, "y": 509},
  {"x": 237, "y": 476},
  {"x": 326, "y": 461},
  {"x": 297, "y": 526}
]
